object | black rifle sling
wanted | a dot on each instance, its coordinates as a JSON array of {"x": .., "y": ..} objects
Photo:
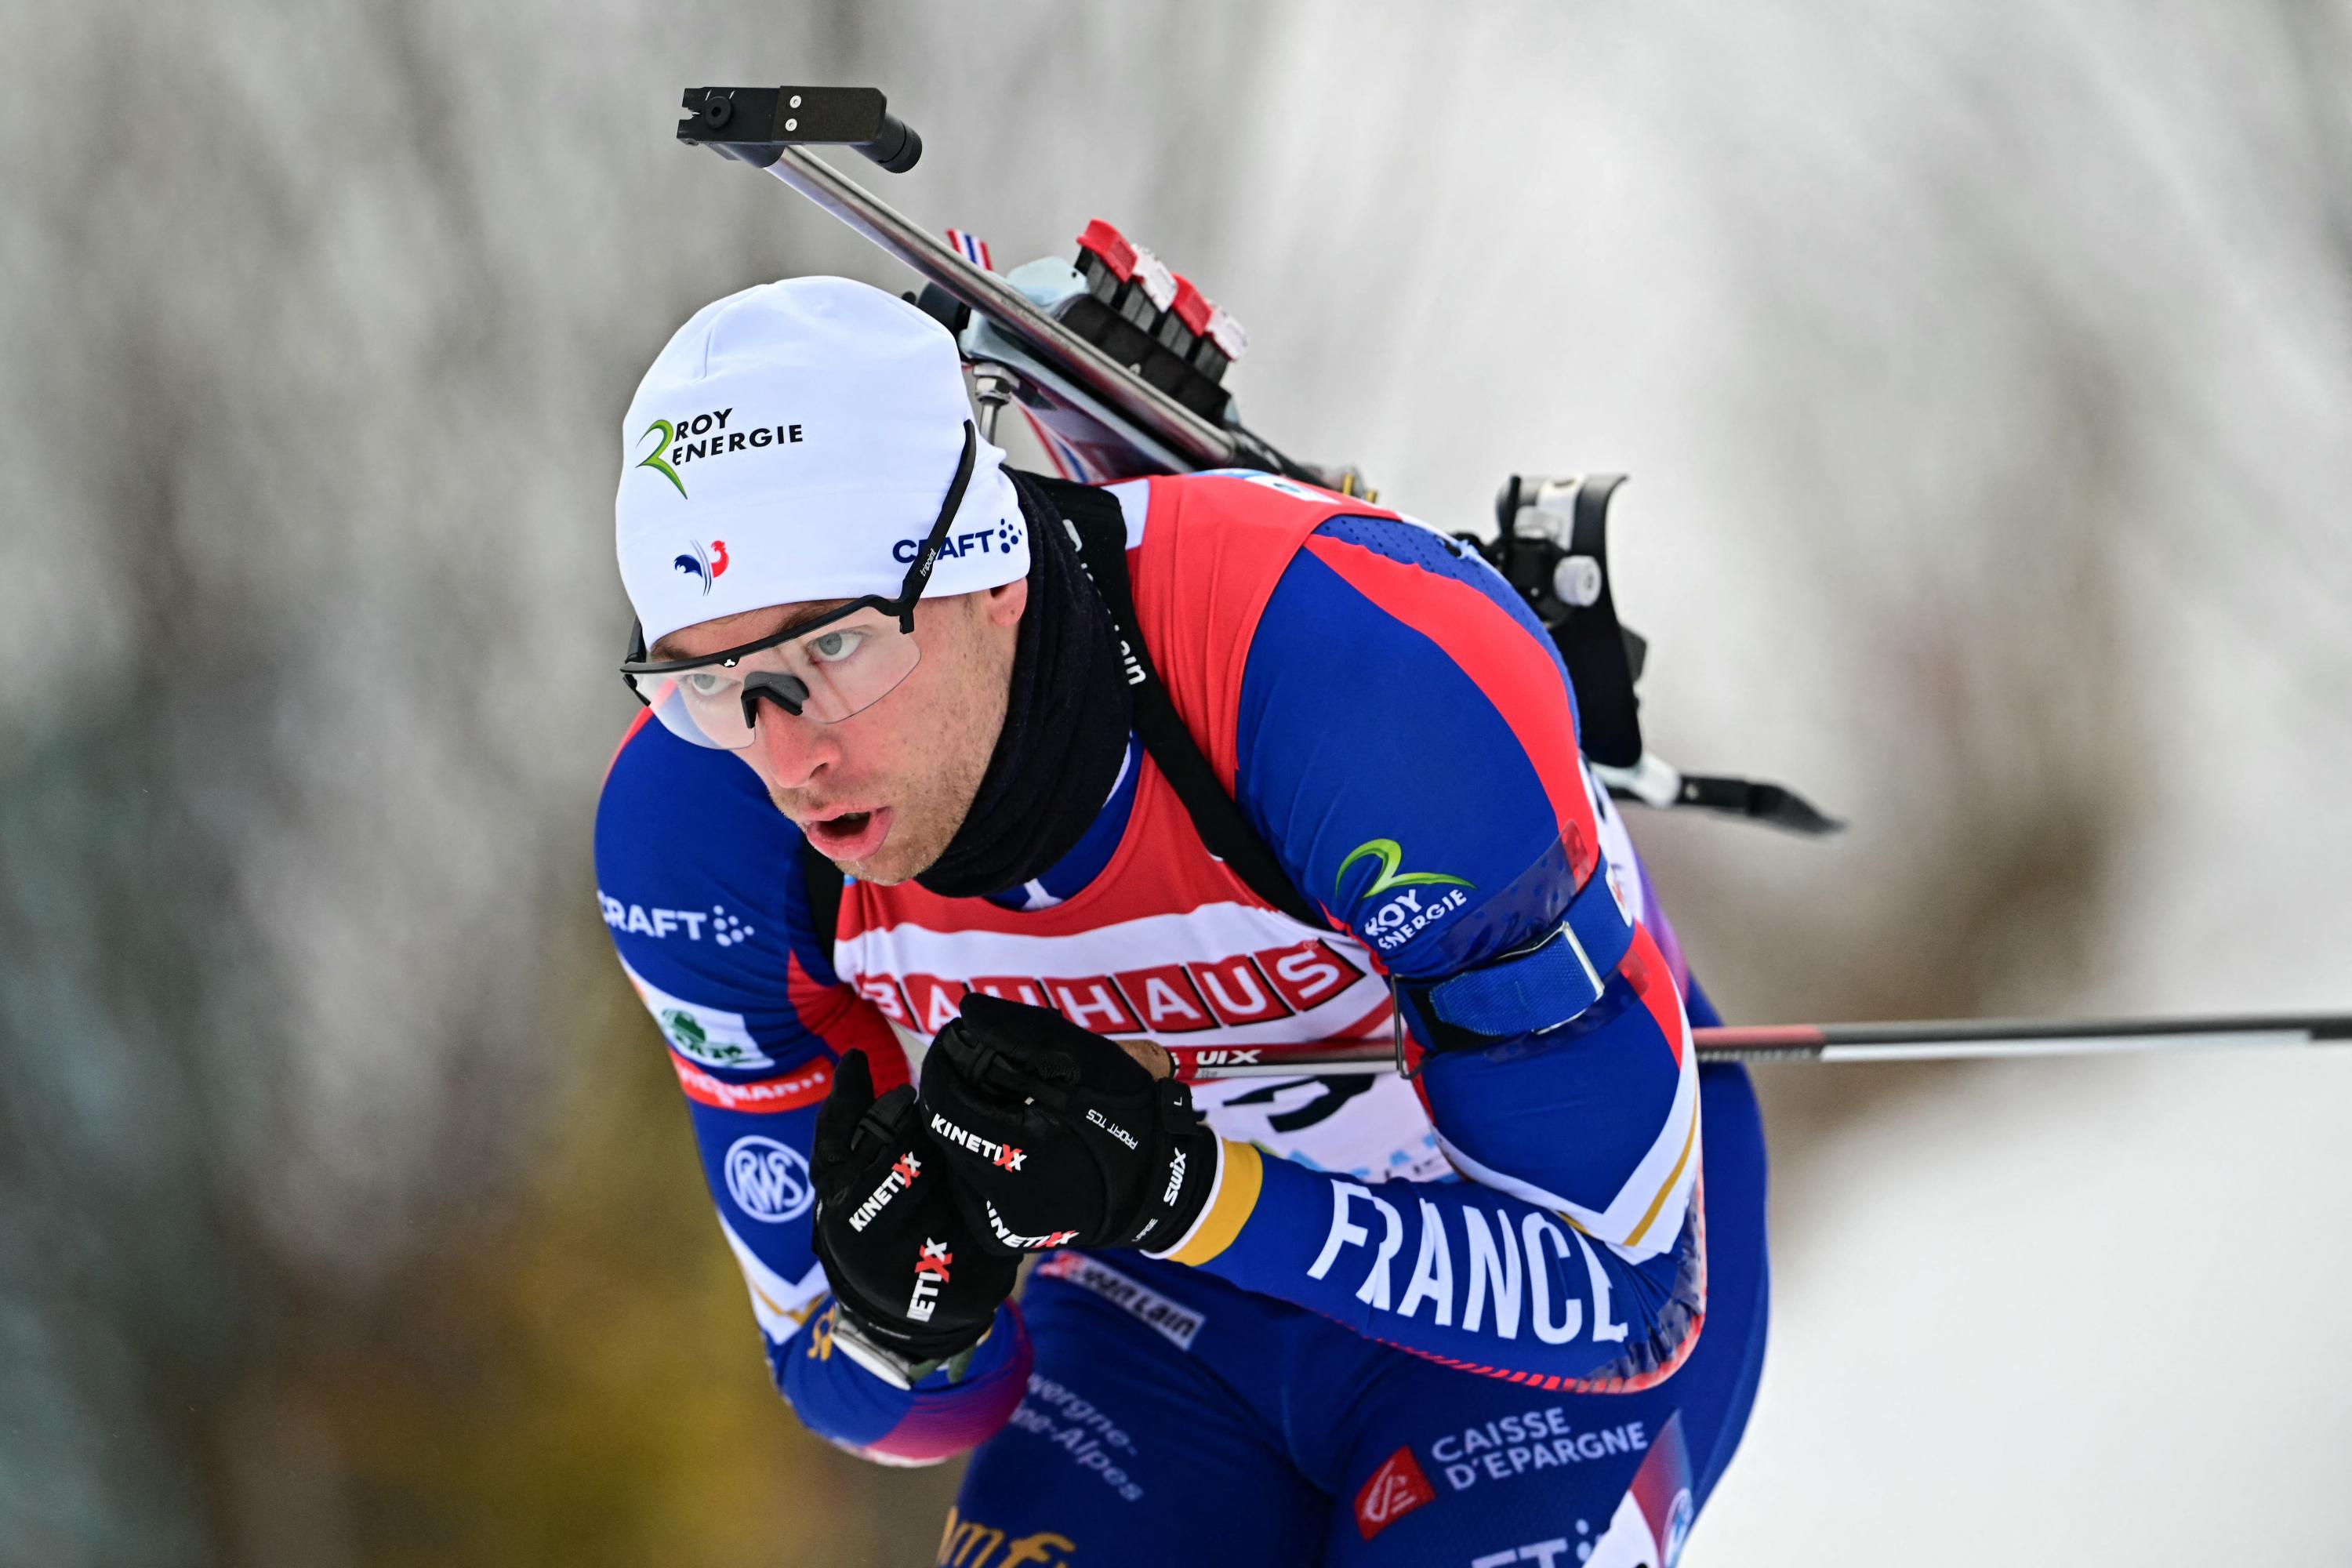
[{"x": 1101, "y": 528}]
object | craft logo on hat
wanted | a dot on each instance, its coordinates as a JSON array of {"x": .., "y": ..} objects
[{"x": 1002, "y": 539}]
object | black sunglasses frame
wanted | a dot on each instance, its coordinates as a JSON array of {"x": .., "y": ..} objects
[{"x": 919, "y": 575}]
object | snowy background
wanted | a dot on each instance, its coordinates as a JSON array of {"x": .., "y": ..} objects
[{"x": 1986, "y": 374}]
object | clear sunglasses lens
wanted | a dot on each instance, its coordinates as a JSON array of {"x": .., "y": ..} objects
[
  {"x": 687, "y": 707},
  {"x": 846, "y": 666}
]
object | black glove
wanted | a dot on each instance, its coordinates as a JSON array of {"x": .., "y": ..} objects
[
  {"x": 1061, "y": 1137},
  {"x": 898, "y": 1247}
]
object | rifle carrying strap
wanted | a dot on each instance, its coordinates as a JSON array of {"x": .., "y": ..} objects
[{"x": 1099, "y": 524}]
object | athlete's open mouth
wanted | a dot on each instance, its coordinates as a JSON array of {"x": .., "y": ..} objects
[{"x": 851, "y": 836}]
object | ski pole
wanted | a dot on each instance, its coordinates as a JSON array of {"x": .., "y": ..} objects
[{"x": 1964, "y": 1040}]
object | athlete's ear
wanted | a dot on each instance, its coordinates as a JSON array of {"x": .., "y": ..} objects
[{"x": 1002, "y": 604}]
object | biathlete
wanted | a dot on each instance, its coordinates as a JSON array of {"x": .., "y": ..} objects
[{"x": 906, "y": 857}]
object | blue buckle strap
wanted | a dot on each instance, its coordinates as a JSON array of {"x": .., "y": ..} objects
[{"x": 1538, "y": 987}]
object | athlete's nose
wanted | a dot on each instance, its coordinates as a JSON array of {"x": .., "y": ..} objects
[{"x": 794, "y": 750}]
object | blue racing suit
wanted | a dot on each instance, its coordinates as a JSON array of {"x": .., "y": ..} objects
[{"x": 1512, "y": 1310}]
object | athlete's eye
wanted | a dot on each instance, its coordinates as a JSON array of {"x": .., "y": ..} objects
[
  {"x": 704, "y": 683},
  {"x": 833, "y": 647}
]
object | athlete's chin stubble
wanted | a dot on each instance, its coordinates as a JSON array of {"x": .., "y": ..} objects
[
  {"x": 924, "y": 820},
  {"x": 928, "y": 814}
]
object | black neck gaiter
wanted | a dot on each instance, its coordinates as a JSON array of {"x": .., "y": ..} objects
[{"x": 1066, "y": 727}]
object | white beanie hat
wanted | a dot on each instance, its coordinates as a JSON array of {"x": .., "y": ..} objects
[{"x": 795, "y": 442}]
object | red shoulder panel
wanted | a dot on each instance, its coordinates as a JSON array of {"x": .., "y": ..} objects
[{"x": 1213, "y": 547}]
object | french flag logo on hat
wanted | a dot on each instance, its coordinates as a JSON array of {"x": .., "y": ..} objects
[{"x": 708, "y": 564}]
